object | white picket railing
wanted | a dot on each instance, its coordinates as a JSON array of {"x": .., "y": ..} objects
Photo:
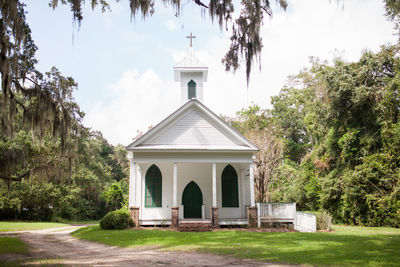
[
  {"x": 276, "y": 212},
  {"x": 286, "y": 212},
  {"x": 305, "y": 222}
]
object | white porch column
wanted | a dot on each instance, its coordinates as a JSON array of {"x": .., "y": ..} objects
[
  {"x": 175, "y": 186},
  {"x": 138, "y": 186},
  {"x": 214, "y": 185},
  {"x": 132, "y": 180},
  {"x": 251, "y": 174}
]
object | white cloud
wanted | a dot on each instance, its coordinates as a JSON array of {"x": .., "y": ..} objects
[
  {"x": 171, "y": 25},
  {"x": 141, "y": 100},
  {"x": 316, "y": 28}
]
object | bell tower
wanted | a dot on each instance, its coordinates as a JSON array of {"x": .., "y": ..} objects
[{"x": 191, "y": 73}]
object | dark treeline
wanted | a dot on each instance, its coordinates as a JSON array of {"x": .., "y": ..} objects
[
  {"x": 331, "y": 140},
  {"x": 96, "y": 184}
]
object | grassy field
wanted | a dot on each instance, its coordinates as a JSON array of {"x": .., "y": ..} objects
[
  {"x": 345, "y": 246},
  {"x": 22, "y": 226}
]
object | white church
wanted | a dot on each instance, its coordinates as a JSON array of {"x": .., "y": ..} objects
[{"x": 192, "y": 167}]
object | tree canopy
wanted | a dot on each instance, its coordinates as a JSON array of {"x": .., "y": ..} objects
[{"x": 339, "y": 125}]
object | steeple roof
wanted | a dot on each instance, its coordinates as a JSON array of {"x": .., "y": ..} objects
[
  {"x": 190, "y": 61},
  {"x": 190, "y": 64}
]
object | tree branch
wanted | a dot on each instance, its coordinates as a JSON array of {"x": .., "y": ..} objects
[
  {"x": 198, "y": 2},
  {"x": 25, "y": 174},
  {"x": 267, "y": 11}
]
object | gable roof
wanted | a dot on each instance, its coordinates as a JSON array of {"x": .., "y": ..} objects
[{"x": 193, "y": 127}]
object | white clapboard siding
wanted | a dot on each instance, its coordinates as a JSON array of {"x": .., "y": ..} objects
[{"x": 193, "y": 129}]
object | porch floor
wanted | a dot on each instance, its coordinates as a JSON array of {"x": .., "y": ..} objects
[{"x": 222, "y": 221}]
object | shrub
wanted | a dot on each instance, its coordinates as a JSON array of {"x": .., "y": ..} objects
[
  {"x": 114, "y": 197},
  {"x": 117, "y": 219},
  {"x": 324, "y": 220}
]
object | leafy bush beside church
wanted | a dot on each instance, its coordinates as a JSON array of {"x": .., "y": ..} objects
[{"x": 117, "y": 220}]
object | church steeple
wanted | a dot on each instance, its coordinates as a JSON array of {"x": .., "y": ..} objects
[{"x": 191, "y": 73}]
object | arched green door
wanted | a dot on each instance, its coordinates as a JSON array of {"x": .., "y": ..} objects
[{"x": 192, "y": 199}]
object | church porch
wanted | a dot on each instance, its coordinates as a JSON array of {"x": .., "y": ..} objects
[{"x": 199, "y": 185}]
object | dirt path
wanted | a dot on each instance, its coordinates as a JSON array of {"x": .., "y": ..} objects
[{"x": 57, "y": 243}]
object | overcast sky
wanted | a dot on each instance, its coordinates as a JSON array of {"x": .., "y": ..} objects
[{"x": 124, "y": 67}]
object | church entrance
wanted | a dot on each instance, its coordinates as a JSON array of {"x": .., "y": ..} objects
[{"x": 192, "y": 199}]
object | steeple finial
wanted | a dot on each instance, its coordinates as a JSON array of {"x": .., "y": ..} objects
[{"x": 191, "y": 37}]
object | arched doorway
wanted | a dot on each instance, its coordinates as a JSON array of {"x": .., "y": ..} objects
[
  {"x": 229, "y": 187},
  {"x": 192, "y": 199}
]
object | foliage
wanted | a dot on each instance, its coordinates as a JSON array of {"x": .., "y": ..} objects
[
  {"x": 266, "y": 161},
  {"x": 46, "y": 195},
  {"x": 35, "y": 108},
  {"x": 256, "y": 125},
  {"x": 345, "y": 246},
  {"x": 101, "y": 165},
  {"x": 324, "y": 220},
  {"x": 117, "y": 220},
  {"x": 38, "y": 201},
  {"x": 115, "y": 197},
  {"x": 339, "y": 127}
]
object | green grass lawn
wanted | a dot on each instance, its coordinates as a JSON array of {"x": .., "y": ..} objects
[
  {"x": 346, "y": 245},
  {"x": 12, "y": 245},
  {"x": 21, "y": 226}
]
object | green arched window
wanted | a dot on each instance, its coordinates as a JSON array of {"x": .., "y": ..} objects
[
  {"x": 191, "y": 89},
  {"x": 229, "y": 180},
  {"x": 153, "y": 187}
]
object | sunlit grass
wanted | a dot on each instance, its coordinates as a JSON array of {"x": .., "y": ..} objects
[
  {"x": 344, "y": 246},
  {"x": 21, "y": 226}
]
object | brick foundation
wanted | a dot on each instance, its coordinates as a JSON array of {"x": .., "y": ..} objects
[
  {"x": 252, "y": 217},
  {"x": 214, "y": 217},
  {"x": 194, "y": 226},
  {"x": 175, "y": 217},
  {"x": 134, "y": 211}
]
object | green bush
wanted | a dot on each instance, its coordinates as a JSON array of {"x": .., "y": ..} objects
[
  {"x": 324, "y": 219},
  {"x": 117, "y": 219},
  {"x": 114, "y": 197}
]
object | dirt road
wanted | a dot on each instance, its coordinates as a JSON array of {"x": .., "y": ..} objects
[{"x": 57, "y": 243}]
